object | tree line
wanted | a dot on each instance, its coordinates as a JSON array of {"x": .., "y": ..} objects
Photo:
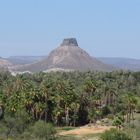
[{"x": 68, "y": 98}]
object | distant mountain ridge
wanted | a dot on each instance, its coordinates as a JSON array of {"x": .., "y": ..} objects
[
  {"x": 22, "y": 60},
  {"x": 4, "y": 63},
  {"x": 68, "y": 56},
  {"x": 122, "y": 63}
]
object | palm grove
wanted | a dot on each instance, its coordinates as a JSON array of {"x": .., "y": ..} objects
[{"x": 67, "y": 99}]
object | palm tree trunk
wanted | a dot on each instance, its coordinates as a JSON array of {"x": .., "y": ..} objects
[{"x": 67, "y": 116}]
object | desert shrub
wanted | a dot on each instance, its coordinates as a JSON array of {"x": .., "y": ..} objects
[
  {"x": 114, "y": 134},
  {"x": 44, "y": 131},
  {"x": 15, "y": 124},
  {"x": 118, "y": 121}
]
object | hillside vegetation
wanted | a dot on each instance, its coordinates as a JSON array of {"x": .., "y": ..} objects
[{"x": 32, "y": 104}]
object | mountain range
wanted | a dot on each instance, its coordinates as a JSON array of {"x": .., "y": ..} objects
[
  {"x": 4, "y": 63},
  {"x": 118, "y": 62},
  {"x": 22, "y": 60},
  {"x": 122, "y": 63},
  {"x": 68, "y": 56}
]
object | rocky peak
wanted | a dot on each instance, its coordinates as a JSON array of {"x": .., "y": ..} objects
[
  {"x": 68, "y": 56},
  {"x": 69, "y": 42}
]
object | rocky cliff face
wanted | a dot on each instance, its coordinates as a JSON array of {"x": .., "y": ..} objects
[
  {"x": 68, "y": 56},
  {"x": 69, "y": 42}
]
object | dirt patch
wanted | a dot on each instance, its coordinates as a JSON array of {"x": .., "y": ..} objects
[{"x": 85, "y": 130}]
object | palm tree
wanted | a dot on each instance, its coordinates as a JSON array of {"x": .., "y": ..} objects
[
  {"x": 90, "y": 88},
  {"x": 45, "y": 91},
  {"x": 130, "y": 102},
  {"x": 75, "y": 108}
]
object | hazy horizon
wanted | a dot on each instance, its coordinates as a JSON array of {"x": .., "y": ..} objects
[
  {"x": 102, "y": 28},
  {"x": 117, "y": 57}
]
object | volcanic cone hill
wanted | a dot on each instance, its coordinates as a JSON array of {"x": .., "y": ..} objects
[{"x": 68, "y": 56}]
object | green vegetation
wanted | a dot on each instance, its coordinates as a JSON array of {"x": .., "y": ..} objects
[
  {"x": 44, "y": 131},
  {"x": 114, "y": 134},
  {"x": 30, "y": 103}
]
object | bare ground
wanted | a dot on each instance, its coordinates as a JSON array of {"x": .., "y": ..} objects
[{"x": 84, "y": 131}]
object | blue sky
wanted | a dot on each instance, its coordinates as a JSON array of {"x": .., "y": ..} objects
[{"x": 102, "y": 27}]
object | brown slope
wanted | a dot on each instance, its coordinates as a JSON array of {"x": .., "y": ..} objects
[{"x": 67, "y": 56}]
